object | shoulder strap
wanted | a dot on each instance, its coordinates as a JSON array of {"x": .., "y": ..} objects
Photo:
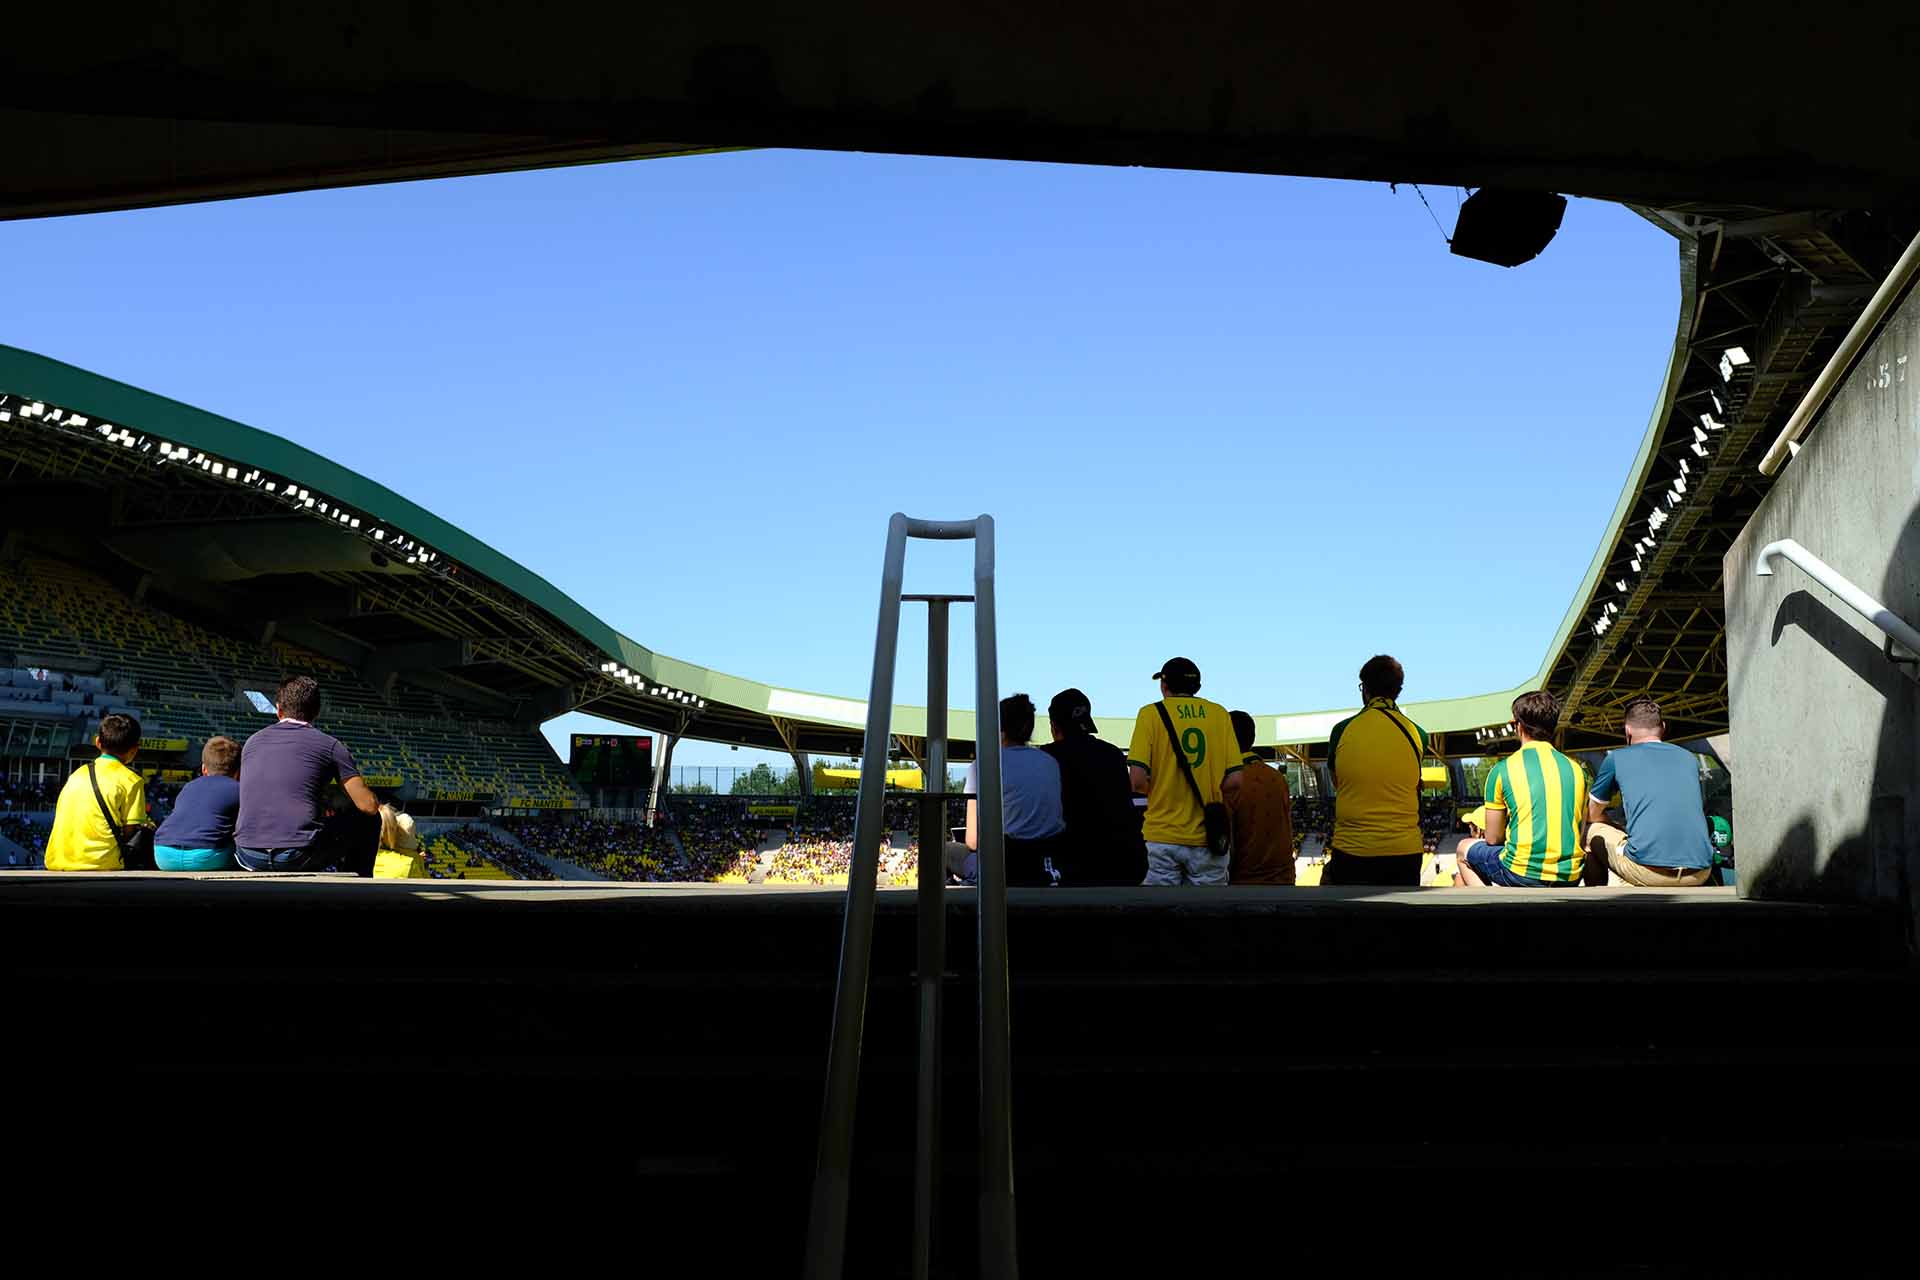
[
  {"x": 1419, "y": 756},
  {"x": 101, "y": 800},
  {"x": 1186, "y": 770}
]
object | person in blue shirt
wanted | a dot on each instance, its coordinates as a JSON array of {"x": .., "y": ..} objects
[
  {"x": 1665, "y": 844},
  {"x": 1034, "y": 818},
  {"x": 198, "y": 834}
]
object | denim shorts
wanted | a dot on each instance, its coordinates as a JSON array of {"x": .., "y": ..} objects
[{"x": 1484, "y": 858}]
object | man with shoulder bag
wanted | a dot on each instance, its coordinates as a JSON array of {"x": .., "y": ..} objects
[
  {"x": 1185, "y": 758},
  {"x": 100, "y": 821}
]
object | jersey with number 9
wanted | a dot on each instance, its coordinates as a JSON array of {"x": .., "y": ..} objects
[{"x": 1207, "y": 741}]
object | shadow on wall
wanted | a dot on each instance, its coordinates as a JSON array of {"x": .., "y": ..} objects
[{"x": 1881, "y": 862}]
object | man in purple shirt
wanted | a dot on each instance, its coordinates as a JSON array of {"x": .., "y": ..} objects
[{"x": 285, "y": 770}]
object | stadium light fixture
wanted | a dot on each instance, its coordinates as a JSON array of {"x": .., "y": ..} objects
[
  {"x": 1736, "y": 356},
  {"x": 1685, "y": 470},
  {"x": 1612, "y": 607},
  {"x": 6, "y": 415},
  {"x": 1699, "y": 451},
  {"x": 1636, "y": 565},
  {"x": 306, "y": 502},
  {"x": 1699, "y": 434},
  {"x": 1620, "y": 585},
  {"x": 1680, "y": 482},
  {"x": 78, "y": 420},
  {"x": 37, "y": 409}
]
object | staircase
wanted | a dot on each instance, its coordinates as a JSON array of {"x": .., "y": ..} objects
[{"x": 1200, "y": 1078}]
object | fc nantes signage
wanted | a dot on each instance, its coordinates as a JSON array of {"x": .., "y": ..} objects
[{"x": 163, "y": 744}]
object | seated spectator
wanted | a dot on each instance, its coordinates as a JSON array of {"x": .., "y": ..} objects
[
  {"x": 1102, "y": 844},
  {"x": 1666, "y": 844},
  {"x": 1262, "y": 812},
  {"x": 1030, "y": 805},
  {"x": 1533, "y": 810},
  {"x": 398, "y": 853},
  {"x": 198, "y": 834},
  {"x": 81, "y": 839},
  {"x": 1374, "y": 758},
  {"x": 285, "y": 770}
]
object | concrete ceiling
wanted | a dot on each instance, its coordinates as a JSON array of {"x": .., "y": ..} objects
[{"x": 1762, "y": 103}]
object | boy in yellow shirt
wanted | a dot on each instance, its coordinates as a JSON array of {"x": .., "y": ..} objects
[{"x": 81, "y": 840}]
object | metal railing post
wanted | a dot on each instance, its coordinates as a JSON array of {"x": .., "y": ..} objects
[
  {"x": 933, "y": 944},
  {"x": 999, "y": 1256},
  {"x": 832, "y": 1174},
  {"x": 826, "y": 1243}
]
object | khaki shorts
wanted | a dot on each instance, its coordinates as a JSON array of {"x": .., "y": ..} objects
[{"x": 1624, "y": 870}]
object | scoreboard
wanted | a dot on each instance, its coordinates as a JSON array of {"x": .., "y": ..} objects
[{"x": 611, "y": 760}]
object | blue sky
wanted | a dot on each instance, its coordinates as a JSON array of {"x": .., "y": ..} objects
[{"x": 1268, "y": 423}]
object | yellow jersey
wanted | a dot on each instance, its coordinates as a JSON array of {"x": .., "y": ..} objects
[
  {"x": 1208, "y": 742},
  {"x": 1375, "y": 758},
  {"x": 80, "y": 839}
]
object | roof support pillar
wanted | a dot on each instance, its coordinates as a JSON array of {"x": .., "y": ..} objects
[{"x": 790, "y": 738}]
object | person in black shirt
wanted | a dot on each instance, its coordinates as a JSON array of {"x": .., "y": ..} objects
[{"x": 1103, "y": 844}]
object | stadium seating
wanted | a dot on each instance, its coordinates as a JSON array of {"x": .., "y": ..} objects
[
  {"x": 184, "y": 680},
  {"x": 447, "y": 860}
]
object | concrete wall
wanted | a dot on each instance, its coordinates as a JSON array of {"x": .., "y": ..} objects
[{"x": 1826, "y": 799}]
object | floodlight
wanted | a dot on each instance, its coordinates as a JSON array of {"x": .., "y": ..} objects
[
  {"x": 1735, "y": 356},
  {"x": 1635, "y": 564},
  {"x": 1700, "y": 436},
  {"x": 1620, "y": 584},
  {"x": 1699, "y": 451},
  {"x": 38, "y": 409},
  {"x": 1612, "y": 607},
  {"x": 379, "y": 535},
  {"x": 5, "y": 416},
  {"x": 1680, "y": 481},
  {"x": 78, "y": 420},
  {"x": 306, "y": 502},
  {"x": 1717, "y": 406}
]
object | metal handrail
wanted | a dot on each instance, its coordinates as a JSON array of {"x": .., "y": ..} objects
[
  {"x": 1853, "y": 597},
  {"x": 832, "y": 1179}
]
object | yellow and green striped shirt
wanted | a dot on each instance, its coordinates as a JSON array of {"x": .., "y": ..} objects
[{"x": 1543, "y": 793}]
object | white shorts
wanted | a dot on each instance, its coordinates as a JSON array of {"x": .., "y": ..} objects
[{"x": 1184, "y": 864}]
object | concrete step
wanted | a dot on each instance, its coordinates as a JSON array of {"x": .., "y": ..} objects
[{"x": 1200, "y": 1077}]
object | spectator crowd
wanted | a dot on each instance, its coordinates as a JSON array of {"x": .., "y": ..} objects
[{"x": 1188, "y": 802}]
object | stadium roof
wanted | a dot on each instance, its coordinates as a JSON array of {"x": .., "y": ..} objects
[{"x": 339, "y": 559}]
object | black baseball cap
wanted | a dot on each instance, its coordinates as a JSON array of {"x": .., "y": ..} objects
[
  {"x": 1175, "y": 668},
  {"x": 1071, "y": 707}
]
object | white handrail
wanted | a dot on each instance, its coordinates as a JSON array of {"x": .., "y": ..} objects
[
  {"x": 1843, "y": 356},
  {"x": 1851, "y": 596}
]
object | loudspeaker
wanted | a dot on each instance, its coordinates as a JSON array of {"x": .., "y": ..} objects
[{"x": 1507, "y": 228}]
